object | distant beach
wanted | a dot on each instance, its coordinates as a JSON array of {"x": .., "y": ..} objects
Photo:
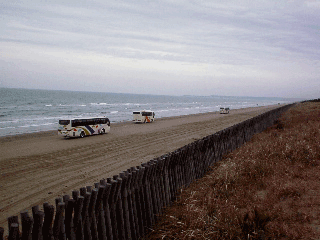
[{"x": 29, "y": 111}]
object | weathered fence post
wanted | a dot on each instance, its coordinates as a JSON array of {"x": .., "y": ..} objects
[
  {"x": 131, "y": 217},
  {"x": 125, "y": 205},
  {"x": 139, "y": 200},
  {"x": 85, "y": 216},
  {"x": 113, "y": 215},
  {"x": 147, "y": 195},
  {"x": 119, "y": 210},
  {"x": 77, "y": 220},
  {"x": 13, "y": 226},
  {"x": 26, "y": 224},
  {"x": 47, "y": 231},
  {"x": 101, "y": 224},
  {"x": 106, "y": 208},
  {"x": 137, "y": 204},
  {"x": 92, "y": 215},
  {"x": 166, "y": 162},
  {"x": 14, "y": 231},
  {"x": 172, "y": 188},
  {"x": 153, "y": 187},
  {"x": 37, "y": 225},
  {"x": 185, "y": 166},
  {"x": 69, "y": 222},
  {"x": 162, "y": 191},
  {"x": 59, "y": 227},
  {"x": 1, "y": 233}
]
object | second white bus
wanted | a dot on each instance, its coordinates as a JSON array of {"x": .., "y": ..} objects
[
  {"x": 224, "y": 110},
  {"x": 143, "y": 116}
]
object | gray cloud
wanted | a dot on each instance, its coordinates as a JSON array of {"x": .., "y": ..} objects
[{"x": 261, "y": 48}]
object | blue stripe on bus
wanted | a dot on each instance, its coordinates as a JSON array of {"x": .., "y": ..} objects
[{"x": 90, "y": 129}]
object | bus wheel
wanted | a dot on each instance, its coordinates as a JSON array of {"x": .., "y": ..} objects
[
  {"x": 82, "y": 134},
  {"x": 102, "y": 131}
]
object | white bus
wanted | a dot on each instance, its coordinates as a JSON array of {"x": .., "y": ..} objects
[
  {"x": 143, "y": 116},
  {"x": 224, "y": 110},
  {"x": 80, "y": 127}
]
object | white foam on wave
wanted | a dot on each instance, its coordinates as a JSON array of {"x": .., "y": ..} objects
[
  {"x": 48, "y": 124},
  {"x": 7, "y": 127},
  {"x": 27, "y": 126},
  {"x": 10, "y": 121},
  {"x": 37, "y": 125},
  {"x": 99, "y": 104}
]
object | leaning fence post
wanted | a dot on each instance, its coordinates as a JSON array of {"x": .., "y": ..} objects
[
  {"x": 106, "y": 209},
  {"x": 1, "y": 233},
  {"x": 77, "y": 220},
  {"x": 112, "y": 208},
  {"x": 160, "y": 185},
  {"x": 139, "y": 200},
  {"x": 149, "y": 194},
  {"x": 47, "y": 231},
  {"x": 166, "y": 179},
  {"x": 189, "y": 166},
  {"x": 85, "y": 216},
  {"x": 173, "y": 178},
  {"x": 153, "y": 195},
  {"x": 92, "y": 215},
  {"x": 179, "y": 170},
  {"x": 119, "y": 210},
  {"x": 100, "y": 214},
  {"x": 59, "y": 227},
  {"x": 69, "y": 222},
  {"x": 162, "y": 191},
  {"x": 156, "y": 183},
  {"x": 37, "y": 226},
  {"x": 14, "y": 231},
  {"x": 12, "y": 220},
  {"x": 75, "y": 195},
  {"x": 133, "y": 201},
  {"x": 125, "y": 205}
]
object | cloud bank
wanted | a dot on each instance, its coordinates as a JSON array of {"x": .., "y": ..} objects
[{"x": 239, "y": 48}]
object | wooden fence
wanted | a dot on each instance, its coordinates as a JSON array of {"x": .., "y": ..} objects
[{"x": 127, "y": 205}]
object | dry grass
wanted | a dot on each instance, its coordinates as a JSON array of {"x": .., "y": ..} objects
[{"x": 267, "y": 189}]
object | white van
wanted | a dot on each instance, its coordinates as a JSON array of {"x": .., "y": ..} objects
[{"x": 143, "y": 116}]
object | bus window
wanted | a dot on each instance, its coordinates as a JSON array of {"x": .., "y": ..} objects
[{"x": 64, "y": 122}]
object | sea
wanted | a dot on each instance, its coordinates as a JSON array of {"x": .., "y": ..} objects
[{"x": 32, "y": 110}]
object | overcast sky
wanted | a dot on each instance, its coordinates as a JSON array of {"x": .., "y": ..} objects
[{"x": 172, "y": 47}]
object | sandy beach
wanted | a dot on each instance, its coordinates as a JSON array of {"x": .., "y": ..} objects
[{"x": 39, "y": 167}]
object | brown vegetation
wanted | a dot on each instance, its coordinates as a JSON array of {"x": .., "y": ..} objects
[{"x": 267, "y": 189}]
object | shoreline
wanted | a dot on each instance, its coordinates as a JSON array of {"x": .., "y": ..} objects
[
  {"x": 53, "y": 132},
  {"x": 12, "y": 137}
]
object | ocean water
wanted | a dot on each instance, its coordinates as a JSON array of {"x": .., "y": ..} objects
[{"x": 29, "y": 110}]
